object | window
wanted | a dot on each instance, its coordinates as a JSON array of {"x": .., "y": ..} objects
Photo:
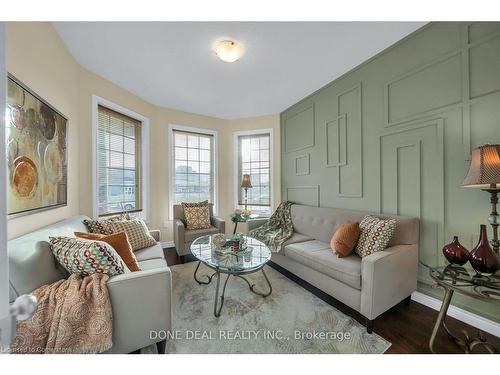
[
  {"x": 254, "y": 157},
  {"x": 193, "y": 178},
  {"x": 119, "y": 172}
]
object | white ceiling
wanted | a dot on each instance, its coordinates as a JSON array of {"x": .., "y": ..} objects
[{"x": 171, "y": 64}]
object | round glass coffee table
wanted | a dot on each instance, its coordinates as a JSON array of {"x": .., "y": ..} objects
[{"x": 237, "y": 264}]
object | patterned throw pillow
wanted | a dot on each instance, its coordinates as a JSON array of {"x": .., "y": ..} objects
[
  {"x": 85, "y": 258},
  {"x": 100, "y": 226},
  {"x": 197, "y": 215},
  {"x": 375, "y": 234},
  {"x": 137, "y": 233}
]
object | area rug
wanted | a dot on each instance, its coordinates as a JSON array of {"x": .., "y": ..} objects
[{"x": 290, "y": 320}]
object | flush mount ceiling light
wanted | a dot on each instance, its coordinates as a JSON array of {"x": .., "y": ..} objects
[{"x": 228, "y": 50}]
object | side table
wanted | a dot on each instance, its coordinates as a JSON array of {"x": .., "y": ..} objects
[
  {"x": 453, "y": 278},
  {"x": 241, "y": 219}
]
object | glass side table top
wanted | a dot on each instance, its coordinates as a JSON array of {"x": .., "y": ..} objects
[
  {"x": 467, "y": 282},
  {"x": 243, "y": 219},
  {"x": 254, "y": 257}
]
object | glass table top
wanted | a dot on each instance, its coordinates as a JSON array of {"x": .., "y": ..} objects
[
  {"x": 254, "y": 257},
  {"x": 243, "y": 219},
  {"x": 467, "y": 282}
]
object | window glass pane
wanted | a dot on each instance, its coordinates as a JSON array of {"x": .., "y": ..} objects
[
  {"x": 204, "y": 155},
  {"x": 129, "y": 145},
  {"x": 205, "y": 143},
  {"x": 129, "y": 161},
  {"x": 204, "y": 167},
  {"x": 180, "y": 153},
  {"x": 181, "y": 140},
  {"x": 193, "y": 141},
  {"x": 193, "y": 154}
]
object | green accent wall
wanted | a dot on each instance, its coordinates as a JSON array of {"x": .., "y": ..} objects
[{"x": 394, "y": 135}]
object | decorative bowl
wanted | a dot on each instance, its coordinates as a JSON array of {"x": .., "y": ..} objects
[{"x": 218, "y": 240}]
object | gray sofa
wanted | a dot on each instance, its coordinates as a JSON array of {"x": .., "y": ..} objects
[
  {"x": 369, "y": 285},
  {"x": 184, "y": 237},
  {"x": 141, "y": 301}
]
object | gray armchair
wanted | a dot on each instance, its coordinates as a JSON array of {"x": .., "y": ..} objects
[{"x": 184, "y": 237}]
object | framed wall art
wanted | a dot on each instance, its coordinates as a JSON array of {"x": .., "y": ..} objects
[{"x": 36, "y": 136}]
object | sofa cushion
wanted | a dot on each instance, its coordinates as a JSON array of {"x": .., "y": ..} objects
[
  {"x": 193, "y": 234},
  {"x": 84, "y": 257},
  {"x": 152, "y": 252},
  {"x": 296, "y": 238},
  {"x": 137, "y": 233},
  {"x": 318, "y": 256},
  {"x": 345, "y": 238},
  {"x": 197, "y": 216},
  {"x": 375, "y": 234}
]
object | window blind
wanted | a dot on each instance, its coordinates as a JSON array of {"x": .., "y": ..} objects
[
  {"x": 194, "y": 167},
  {"x": 254, "y": 159},
  {"x": 119, "y": 172}
]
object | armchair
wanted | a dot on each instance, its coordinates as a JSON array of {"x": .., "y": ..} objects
[{"x": 184, "y": 237}]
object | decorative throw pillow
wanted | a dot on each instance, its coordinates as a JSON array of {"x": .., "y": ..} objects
[
  {"x": 84, "y": 258},
  {"x": 100, "y": 226},
  {"x": 195, "y": 204},
  {"x": 119, "y": 242},
  {"x": 345, "y": 238},
  {"x": 197, "y": 216},
  {"x": 375, "y": 234},
  {"x": 137, "y": 233}
]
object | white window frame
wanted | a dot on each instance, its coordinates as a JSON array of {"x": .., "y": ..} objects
[
  {"x": 171, "y": 164},
  {"x": 236, "y": 183},
  {"x": 96, "y": 102}
]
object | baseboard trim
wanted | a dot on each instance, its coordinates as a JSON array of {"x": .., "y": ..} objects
[
  {"x": 167, "y": 244},
  {"x": 474, "y": 320}
]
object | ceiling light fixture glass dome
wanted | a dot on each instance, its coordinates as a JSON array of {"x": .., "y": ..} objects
[{"x": 228, "y": 50}]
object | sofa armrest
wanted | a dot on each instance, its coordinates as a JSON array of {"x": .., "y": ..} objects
[
  {"x": 155, "y": 233},
  {"x": 141, "y": 303},
  {"x": 219, "y": 223},
  {"x": 179, "y": 235},
  {"x": 255, "y": 223},
  {"x": 387, "y": 277}
]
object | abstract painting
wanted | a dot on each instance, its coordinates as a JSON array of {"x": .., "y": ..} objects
[{"x": 36, "y": 152}]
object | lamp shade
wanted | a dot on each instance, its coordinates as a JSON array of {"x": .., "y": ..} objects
[
  {"x": 484, "y": 170},
  {"x": 245, "y": 182}
]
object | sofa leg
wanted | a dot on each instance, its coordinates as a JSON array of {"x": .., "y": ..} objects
[
  {"x": 369, "y": 325},
  {"x": 407, "y": 300},
  {"x": 161, "y": 346}
]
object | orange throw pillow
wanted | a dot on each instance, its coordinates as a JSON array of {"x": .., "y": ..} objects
[
  {"x": 118, "y": 241},
  {"x": 345, "y": 238}
]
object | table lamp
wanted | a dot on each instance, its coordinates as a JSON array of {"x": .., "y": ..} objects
[
  {"x": 484, "y": 173},
  {"x": 246, "y": 184}
]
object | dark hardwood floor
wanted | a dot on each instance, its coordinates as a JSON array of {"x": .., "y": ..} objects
[{"x": 408, "y": 328}]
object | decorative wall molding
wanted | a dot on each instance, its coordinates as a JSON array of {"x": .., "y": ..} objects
[
  {"x": 314, "y": 187},
  {"x": 348, "y": 160},
  {"x": 308, "y": 142},
  {"x": 465, "y": 316},
  {"x": 335, "y": 127},
  {"x": 307, "y": 162},
  {"x": 431, "y": 111},
  {"x": 434, "y": 223}
]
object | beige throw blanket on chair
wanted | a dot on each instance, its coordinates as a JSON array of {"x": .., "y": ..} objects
[{"x": 73, "y": 316}]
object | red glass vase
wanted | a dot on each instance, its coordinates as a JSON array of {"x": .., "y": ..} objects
[
  {"x": 455, "y": 253},
  {"x": 482, "y": 258}
]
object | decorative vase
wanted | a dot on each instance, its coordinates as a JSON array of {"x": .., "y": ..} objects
[
  {"x": 482, "y": 258},
  {"x": 218, "y": 240},
  {"x": 455, "y": 253}
]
